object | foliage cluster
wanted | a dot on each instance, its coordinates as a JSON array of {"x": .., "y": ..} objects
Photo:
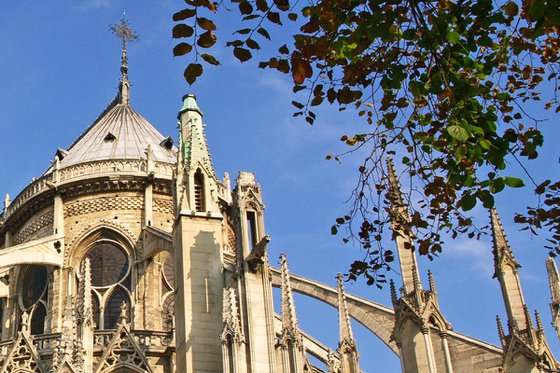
[{"x": 441, "y": 85}]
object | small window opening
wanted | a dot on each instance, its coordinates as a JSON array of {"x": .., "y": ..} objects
[
  {"x": 167, "y": 143},
  {"x": 252, "y": 228},
  {"x": 109, "y": 138},
  {"x": 199, "y": 191},
  {"x": 231, "y": 355}
]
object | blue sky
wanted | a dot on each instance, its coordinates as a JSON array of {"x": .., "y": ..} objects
[{"x": 59, "y": 68}]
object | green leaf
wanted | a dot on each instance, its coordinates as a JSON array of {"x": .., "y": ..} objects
[
  {"x": 514, "y": 182},
  {"x": 458, "y": 133},
  {"x": 467, "y": 202},
  {"x": 485, "y": 144},
  {"x": 192, "y": 72},
  {"x": 453, "y": 37}
]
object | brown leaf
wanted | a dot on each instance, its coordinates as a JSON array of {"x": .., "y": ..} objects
[
  {"x": 274, "y": 17},
  {"x": 205, "y": 24},
  {"x": 252, "y": 44},
  {"x": 283, "y": 5},
  {"x": 192, "y": 72},
  {"x": 182, "y": 49},
  {"x": 206, "y": 40},
  {"x": 245, "y": 7},
  {"x": 262, "y": 5},
  {"x": 242, "y": 54},
  {"x": 264, "y": 33},
  {"x": 184, "y": 14},
  {"x": 210, "y": 59},
  {"x": 301, "y": 69},
  {"x": 182, "y": 31}
]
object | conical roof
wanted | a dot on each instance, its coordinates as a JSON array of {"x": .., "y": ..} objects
[{"x": 119, "y": 133}]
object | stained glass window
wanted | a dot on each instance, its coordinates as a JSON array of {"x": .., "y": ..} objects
[
  {"x": 109, "y": 264},
  {"x": 38, "y": 319},
  {"x": 113, "y": 308},
  {"x": 33, "y": 285}
]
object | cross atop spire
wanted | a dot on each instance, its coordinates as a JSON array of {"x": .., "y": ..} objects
[{"x": 125, "y": 33}]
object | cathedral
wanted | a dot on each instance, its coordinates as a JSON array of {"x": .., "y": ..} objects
[{"x": 129, "y": 254}]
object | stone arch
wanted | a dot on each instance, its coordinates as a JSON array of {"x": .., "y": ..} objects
[
  {"x": 93, "y": 233},
  {"x": 375, "y": 317},
  {"x": 82, "y": 239},
  {"x": 124, "y": 368}
]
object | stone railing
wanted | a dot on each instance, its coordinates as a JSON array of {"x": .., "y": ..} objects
[
  {"x": 68, "y": 174},
  {"x": 5, "y": 347},
  {"x": 46, "y": 343},
  {"x": 146, "y": 339}
]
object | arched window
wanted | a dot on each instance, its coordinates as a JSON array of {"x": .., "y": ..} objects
[
  {"x": 168, "y": 298},
  {"x": 199, "y": 197},
  {"x": 33, "y": 298},
  {"x": 113, "y": 307},
  {"x": 110, "y": 281}
]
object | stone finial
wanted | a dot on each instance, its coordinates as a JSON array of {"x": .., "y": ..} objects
[
  {"x": 7, "y": 201},
  {"x": 432, "y": 282},
  {"x": 123, "y": 317},
  {"x": 501, "y": 333},
  {"x": 25, "y": 323},
  {"x": 539, "y": 321},
  {"x": 125, "y": 33},
  {"x": 394, "y": 298}
]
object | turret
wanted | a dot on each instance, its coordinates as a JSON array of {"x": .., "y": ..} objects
[{"x": 196, "y": 180}]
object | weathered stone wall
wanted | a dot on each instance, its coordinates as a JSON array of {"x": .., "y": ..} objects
[{"x": 38, "y": 226}]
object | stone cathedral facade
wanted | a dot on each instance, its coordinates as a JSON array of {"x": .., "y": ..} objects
[{"x": 130, "y": 255}]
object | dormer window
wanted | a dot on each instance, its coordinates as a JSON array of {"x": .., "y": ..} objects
[
  {"x": 109, "y": 137},
  {"x": 167, "y": 143}
]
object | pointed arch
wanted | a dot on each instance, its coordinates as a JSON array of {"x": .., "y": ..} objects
[
  {"x": 199, "y": 191},
  {"x": 112, "y": 309}
]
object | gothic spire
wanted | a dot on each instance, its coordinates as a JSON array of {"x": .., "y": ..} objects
[
  {"x": 125, "y": 33},
  {"x": 554, "y": 282},
  {"x": 289, "y": 317},
  {"x": 194, "y": 148},
  {"x": 347, "y": 345},
  {"x": 400, "y": 223},
  {"x": 343, "y": 317},
  {"x": 506, "y": 271},
  {"x": 84, "y": 292},
  {"x": 230, "y": 317}
]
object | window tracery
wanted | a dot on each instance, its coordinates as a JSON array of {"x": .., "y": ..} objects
[
  {"x": 110, "y": 282},
  {"x": 33, "y": 298},
  {"x": 167, "y": 291}
]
